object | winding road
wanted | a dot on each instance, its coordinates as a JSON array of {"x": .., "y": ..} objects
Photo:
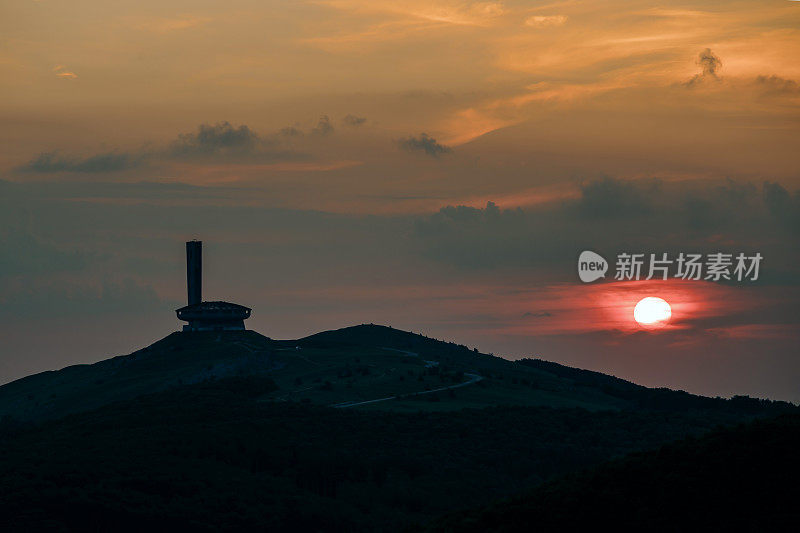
[{"x": 474, "y": 378}]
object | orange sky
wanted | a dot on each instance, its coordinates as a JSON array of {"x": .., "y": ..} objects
[{"x": 581, "y": 81}]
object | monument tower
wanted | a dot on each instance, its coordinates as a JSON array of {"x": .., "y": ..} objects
[{"x": 206, "y": 316}]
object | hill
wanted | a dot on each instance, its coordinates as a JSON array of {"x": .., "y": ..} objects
[
  {"x": 360, "y": 429},
  {"x": 364, "y": 367},
  {"x": 212, "y": 456},
  {"x": 735, "y": 479},
  {"x": 178, "y": 359}
]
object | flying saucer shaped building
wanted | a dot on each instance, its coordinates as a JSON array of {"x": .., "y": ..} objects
[{"x": 207, "y": 316}]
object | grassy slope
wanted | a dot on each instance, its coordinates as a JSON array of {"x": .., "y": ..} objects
[
  {"x": 211, "y": 455},
  {"x": 736, "y": 479},
  {"x": 175, "y": 360},
  {"x": 360, "y": 363}
]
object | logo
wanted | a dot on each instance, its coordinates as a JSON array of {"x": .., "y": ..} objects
[
  {"x": 591, "y": 266},
  {"x": 716, "y": 266}
]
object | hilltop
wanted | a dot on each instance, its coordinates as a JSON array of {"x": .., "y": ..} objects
[{"x": 176, "y": 360}]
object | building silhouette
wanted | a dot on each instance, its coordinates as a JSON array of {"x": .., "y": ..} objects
[{"x": 207, "y": 316}]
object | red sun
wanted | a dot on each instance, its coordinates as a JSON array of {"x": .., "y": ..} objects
[{"x": 652, "y": 311}]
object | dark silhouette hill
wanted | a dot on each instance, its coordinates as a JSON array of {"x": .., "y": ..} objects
[
  {"x": 736, "y": 479},
  {"x": 362, "y": 367},
  {"x": 212, "y": 456},
  {"x": 360, "y": 429},
  {"x": 178, "y": 359}
]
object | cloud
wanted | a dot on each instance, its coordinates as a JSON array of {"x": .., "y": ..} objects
[
  {"x": 547, "y": 21},
  {"x": 352, "y": 120},
  {"x": 612, "y": 216},
  {"x": 710, "y": 64},
  {"x": 537, "y": 314},
  {"x": 611, "y": 198},
  {"x": 424, "y": 143},
  {"x": 61, "y": 72},
  {"x": 222, "y": 140},
  {"x": 777, "y": 85},
  {"x": 290, "y": 131},
  {"x": 470, "y": 237},
  {"x": 783, "y": 205},
  {"x": 323, "y": 127},
  {"x": 226, "y": 141},
  {"x": 50, "y": 162},
  {"x": 221, "y": 137}
]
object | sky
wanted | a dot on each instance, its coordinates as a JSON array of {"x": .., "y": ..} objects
[{"x": 433, "y": 166}]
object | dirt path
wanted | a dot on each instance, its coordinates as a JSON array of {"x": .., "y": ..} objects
[{"x": 474, "y": 378}]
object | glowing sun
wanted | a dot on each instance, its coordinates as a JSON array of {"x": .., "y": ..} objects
[{"x": 652, "y": 311}]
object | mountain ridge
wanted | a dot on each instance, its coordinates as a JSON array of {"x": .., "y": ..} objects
[{"x": 371, "y": 366}]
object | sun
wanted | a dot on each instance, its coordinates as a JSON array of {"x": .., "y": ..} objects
[{"x": 652, "y": 311}]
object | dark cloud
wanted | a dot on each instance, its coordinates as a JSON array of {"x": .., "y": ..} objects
[
  {"x": 323, "y": 127},
  {"x": 613, "y": 216},
  {"x": 709, "y": 62},
  {"x": 778, "y": 85},
  {"x": 424, "y": 143},
  {"x": 290, "y": 131},
  {"x": 352, "y": 120},
  {"x": 221, "y": 137},
  {"x": 783, "y": 312},
  {"x": 608, "y": 197},
  {"x": 783, "y": 205},
  {"x": 218, "y": 140},
  {"x": 50, "y": 162},
  {"x": 537, "y": 314},
  {"x": 710, "y": 65},
  {"x": 471, "y": 237}
]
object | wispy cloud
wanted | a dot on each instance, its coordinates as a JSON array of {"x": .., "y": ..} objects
[
  {"x": 63, "y": 73},
  {"x": 209, "y": 144},
  {"x": 218, "y": 138},
  {"x": 52, "y": 162},
  {"x": 546, "y": 21},
  {"x": 353, "y": 120},
  {"x": 470, "y": 13},
  {"x": 323, "y": 127},
  {"x": 424, "y": 143}
]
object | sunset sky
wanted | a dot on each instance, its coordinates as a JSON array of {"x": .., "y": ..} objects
[{"x": 433, "y": 166}]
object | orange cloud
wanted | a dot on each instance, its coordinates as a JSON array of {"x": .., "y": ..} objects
[
  {"x": 62, "y": 72},
  {"x": 546, "y": 21}
]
